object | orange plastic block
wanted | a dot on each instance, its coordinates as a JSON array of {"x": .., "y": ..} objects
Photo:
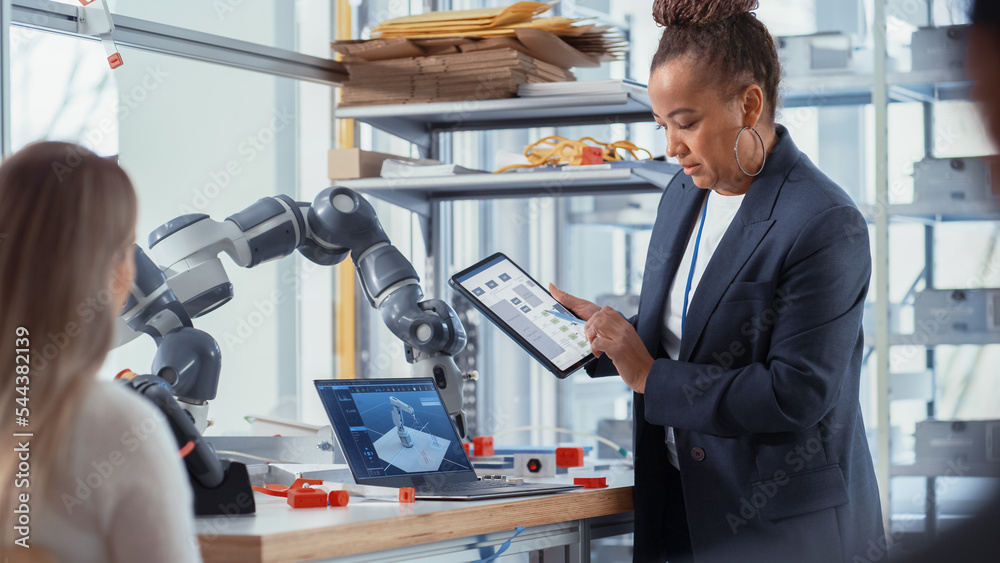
[
  {"x": 338, "y": 498},
  {"x": 482, "y": 446},
  {"x": 465, "y": 446},
  {"x": 407, "y": 494},
  {"x": 592, "y": 155},
  {"x": 115, "y": 61},
  {"x": 569, "y": 457},
  {"x": 591, "y": 482},
  {"x": 306, "y": 498}
]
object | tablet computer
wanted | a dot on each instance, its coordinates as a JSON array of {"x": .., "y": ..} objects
[{"x": 526, "y": 312}]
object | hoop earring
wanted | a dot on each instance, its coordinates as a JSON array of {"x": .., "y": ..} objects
[{"x": 737, "y": 152}]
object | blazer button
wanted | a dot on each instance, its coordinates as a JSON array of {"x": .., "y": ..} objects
[{"x": 697, "y": 454}]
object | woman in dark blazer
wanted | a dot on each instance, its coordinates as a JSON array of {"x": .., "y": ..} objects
[{"x": 746, "y": 354}]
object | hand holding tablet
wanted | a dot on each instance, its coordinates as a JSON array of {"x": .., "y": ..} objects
[{"x": 526, "y": 312}]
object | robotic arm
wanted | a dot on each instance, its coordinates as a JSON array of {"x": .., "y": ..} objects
[
  {"x": 430, "y": 330},
  {"x": 191, "y": 281},
  {"x": 397, "y": 419}
]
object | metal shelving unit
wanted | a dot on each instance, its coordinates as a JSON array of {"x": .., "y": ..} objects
[
  {"x": 927, "y": 87},
  {"x": 428, "y": 125},
  {"x": 422, "y": 124}
]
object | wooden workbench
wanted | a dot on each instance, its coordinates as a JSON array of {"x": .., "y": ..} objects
[{"x": 369, "y": 530}]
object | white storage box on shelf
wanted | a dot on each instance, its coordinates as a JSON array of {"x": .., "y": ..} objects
[
  {"x": 939, "y": 48},
  {"x": 952, "y": 179},
  {"x": 958, "y": 316},
  {"x": 817, "y": 53}
]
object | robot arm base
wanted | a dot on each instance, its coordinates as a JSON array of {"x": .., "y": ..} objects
[{"x": 232, "y": 496}]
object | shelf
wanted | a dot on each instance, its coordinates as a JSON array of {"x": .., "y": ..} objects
[
  {"x": 945, "y": 468},
  {"x": 417, "y": 122},
  {"x": 840, "y": 89},
  {"x": 947, "y": 339},
  {"x": 929, "y": 85},
  {"x": 949, "y": 210},
  {"x": 847, "y": 89},
  {"x": 640, "y": 219},
  {"x": 950, "y": 338},
  {"x": 418, "y": 194},
  {"x": 939, "y": 211}
]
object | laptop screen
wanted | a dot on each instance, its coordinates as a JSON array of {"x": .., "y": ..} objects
[{"x": 393, "y": 428}]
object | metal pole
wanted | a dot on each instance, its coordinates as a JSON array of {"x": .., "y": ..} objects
[
  {"x": 181, "y": 42},
  {"x": 930, "y": 499},
  {"x": 287, "y": 181},
  {"x": 441, "y": 225},
  {"x": 346, "y": 321},
  {"x": 883, "y": 464}
]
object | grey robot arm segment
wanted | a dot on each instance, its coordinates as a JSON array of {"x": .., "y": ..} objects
[
  {"x": 431, "y": 330},
  {"x": 152, "y": 307},
  {"x": 186, "y": 358},
  {"x": 390, "y": 283},
  {"x": 202, "y": 463}
]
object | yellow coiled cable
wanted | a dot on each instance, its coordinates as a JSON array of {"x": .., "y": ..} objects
[{"x": 561, "y": 150}]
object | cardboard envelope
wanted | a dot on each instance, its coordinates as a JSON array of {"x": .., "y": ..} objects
[{"x": 483, "y": 17}]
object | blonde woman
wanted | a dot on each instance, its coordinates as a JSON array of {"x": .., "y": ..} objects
[{"x": 94, "y": 474}]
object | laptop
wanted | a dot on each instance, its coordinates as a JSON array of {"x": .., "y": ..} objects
[{"x": 397, "y": 433}]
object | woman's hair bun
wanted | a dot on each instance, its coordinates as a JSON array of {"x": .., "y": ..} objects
[{"x": 698, "y": 12}]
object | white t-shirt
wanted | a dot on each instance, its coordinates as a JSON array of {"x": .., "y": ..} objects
[
  {"x": 720, "y": 213},
  {"x": 121, "y": 492}
]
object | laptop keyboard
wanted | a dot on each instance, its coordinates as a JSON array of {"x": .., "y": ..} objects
[{"x": 472, "y": 485}]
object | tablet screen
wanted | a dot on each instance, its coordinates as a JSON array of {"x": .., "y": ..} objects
[{"x": 526, "y": 311}]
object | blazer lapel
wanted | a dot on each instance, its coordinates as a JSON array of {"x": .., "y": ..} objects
[
  {"x": 744, "y": 235},
  {"x": 735, "y": 249},
  {"x": 674, "y": 219}
]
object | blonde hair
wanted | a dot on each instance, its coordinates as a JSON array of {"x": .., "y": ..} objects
[{"x": 67, "y": 221}]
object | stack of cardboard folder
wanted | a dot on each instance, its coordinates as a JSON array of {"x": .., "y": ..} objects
[{"x": 469, "y": 55}]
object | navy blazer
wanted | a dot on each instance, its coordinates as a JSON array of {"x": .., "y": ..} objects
[{"x": 774, "y": 461}]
